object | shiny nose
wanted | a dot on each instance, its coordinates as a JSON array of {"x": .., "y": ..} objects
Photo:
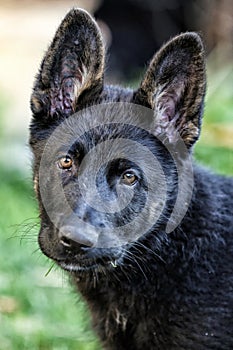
[{"x": 71, "y": 238}]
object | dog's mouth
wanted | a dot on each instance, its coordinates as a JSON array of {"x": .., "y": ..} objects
[
  {"x": 94, "y": 266},
  {"x": 94, "y": 260}
]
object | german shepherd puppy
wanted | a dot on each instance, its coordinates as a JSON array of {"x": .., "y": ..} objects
[{"x": 145, "y": 235}]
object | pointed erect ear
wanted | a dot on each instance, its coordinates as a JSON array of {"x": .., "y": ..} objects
[
  {"x": 174, "y": 86},
  {"x": 74, "y": 63}
]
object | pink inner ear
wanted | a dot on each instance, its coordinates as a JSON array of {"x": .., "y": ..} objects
[
  {"x": 166, "y": 115},
  {"x": 62, "y": 98},
  {"x": 165, "y": 110},
  {"x": 64, "y": 91},
  {"x": 68, "y": 93},
  {"x": 167, "y": 106}
]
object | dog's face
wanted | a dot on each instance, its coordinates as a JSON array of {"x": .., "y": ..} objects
[{"x": 106, "y": 160}]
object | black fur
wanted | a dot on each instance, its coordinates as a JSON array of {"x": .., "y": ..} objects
[{"x": 159, "y": 290}]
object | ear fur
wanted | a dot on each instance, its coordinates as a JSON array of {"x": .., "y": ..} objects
[
  {"x": 74, "y": 63},
  {"x": 174, "y": 86}
]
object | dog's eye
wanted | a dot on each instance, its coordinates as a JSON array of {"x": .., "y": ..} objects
[
  {"x": 65, "y": 162},
  {"x": 129, "y": 178}
]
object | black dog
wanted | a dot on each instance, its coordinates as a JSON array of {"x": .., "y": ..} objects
[{"x": 146, "y": 237}]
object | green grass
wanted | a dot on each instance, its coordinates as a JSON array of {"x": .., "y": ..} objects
[
  {"x": 214, "y": 149},
  {"x": 218, "y": 159}
]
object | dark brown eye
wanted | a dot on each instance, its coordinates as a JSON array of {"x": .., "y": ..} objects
[
  {"x": 65, "y": 162},
  {"x": 129, "y": 178}
]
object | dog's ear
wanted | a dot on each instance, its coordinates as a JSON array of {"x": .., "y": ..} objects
[
  {"x": 73, "y": 64},
  {"x": 174, "y": 86}
]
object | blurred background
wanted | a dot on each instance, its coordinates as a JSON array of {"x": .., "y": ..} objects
[{"x": 38, "y": 308}]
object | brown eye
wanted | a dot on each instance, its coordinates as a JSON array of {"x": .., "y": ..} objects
[
  {"x": 65, "y": 162},
  {"x": 129, "y": 178}
]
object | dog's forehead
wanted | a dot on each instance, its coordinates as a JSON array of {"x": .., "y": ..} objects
[
  {"x": 107, "y": 141},
  {"x": 105, "y": 121}
]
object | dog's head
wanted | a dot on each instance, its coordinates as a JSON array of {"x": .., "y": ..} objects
[{"x": 110, "y": 164}]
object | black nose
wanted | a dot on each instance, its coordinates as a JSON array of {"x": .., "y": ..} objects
[{"x": 71, "y": 238}]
